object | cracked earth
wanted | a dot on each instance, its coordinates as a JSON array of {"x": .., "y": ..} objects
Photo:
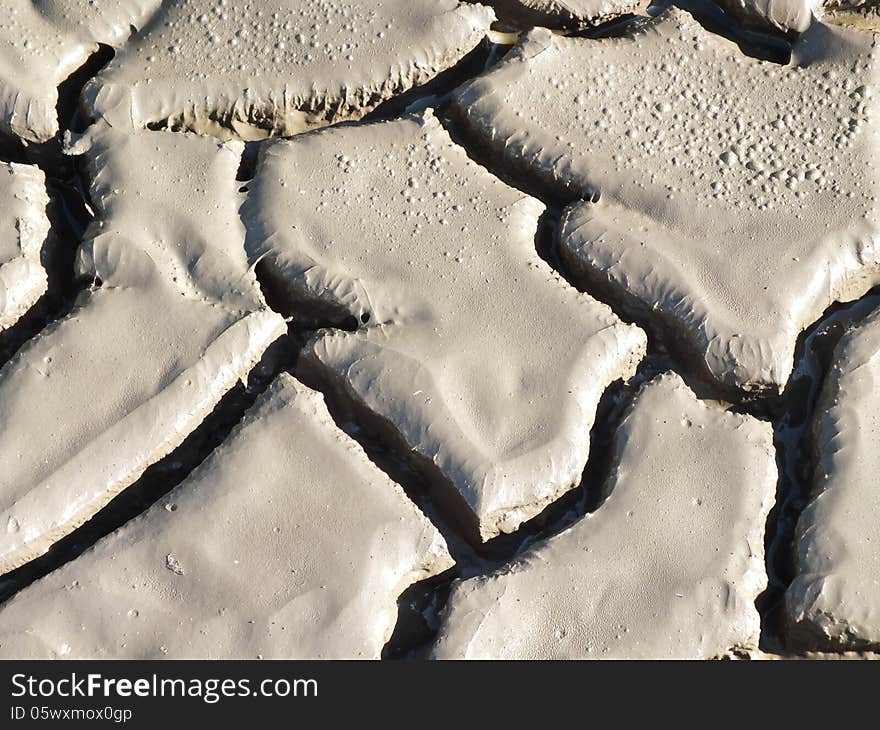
[{"x": 436, "y": 329}]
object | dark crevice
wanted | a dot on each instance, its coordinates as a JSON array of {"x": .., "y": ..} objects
[
  {"x": 435, "y": 90},
  {"x": 68, "y": 211},
  {"x": 662, "y": 343},
  {"x": 614, "y": 28},
  {"x": 513, "y": 175},
  {"x": 666, "y": 334},
  {"x": 68, "y": 107},
  {"x": 513, "y": 16},
  {"x": 545, "y": 239},
  {"x": 247, "y": 167},
  {"x": 792, "y": 416},
  {"x": 164, "y": 475},
  {"x": 591, "y": 490},
  {"x": 306, "y": 312},
  {"x": 386, "y": 449},
  {"x": 759, "y": 41},
  {"x": 419, "y": 609},
  {"x": 14, "y": 150},
  {"x": 68, "y": 215}
]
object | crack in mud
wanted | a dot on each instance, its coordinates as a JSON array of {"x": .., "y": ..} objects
[
  {"x": 164, "y": 475},
  {"x": 69, "y": 211},
  {"x": 792, "y": 415}
]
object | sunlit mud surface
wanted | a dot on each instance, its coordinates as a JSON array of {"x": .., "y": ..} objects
[{"x": 415, "y": 329}]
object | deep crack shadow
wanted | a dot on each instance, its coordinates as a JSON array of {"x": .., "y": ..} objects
[
  {"x": 432, "y": 92},
  {"x": 69, "y": 214},
  {"x": 419, "y": 610},
  {"x": 755, "y": 40},
  {"x": 792, "y": 416},
  {"x": 70, "y": 115},
  {"x": 305, "y": 312}
]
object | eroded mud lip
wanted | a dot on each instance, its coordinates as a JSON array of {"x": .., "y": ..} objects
[
  {"x": 563, "y": 14},
  {"x": 287, "y": 542},
  {"x": 24, "y": 228},
  {"x": 689, "y": 178}
]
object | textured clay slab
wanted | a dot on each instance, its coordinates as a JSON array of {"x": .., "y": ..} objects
[
  {"x": 286, "y": 543},
  {"x": 471, "y": 349},
  {"x": 92, "y": 401},
  {"x": 834, "y": 600},
  {"x": 563, "y": 13},
  {"x": 42, "y": 42},
  {"x": 732, "y": 219},
  {"x": 23, "y": 230},
  {"x": 281, "y": 66},
  {"x": 668, "y": 567}
]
